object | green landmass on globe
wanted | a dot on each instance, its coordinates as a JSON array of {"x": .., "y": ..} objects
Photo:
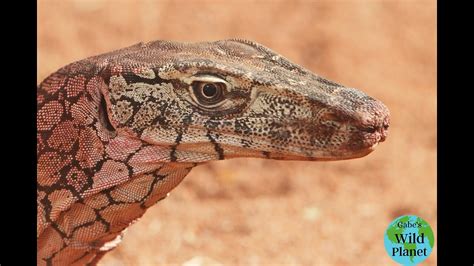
[{"x": 397, "y": 234}]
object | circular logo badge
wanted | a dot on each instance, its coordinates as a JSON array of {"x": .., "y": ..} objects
[{"x": 409, "y": 240}]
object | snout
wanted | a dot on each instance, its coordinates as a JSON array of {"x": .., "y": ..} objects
[
  {"x": 374, "y": 119},
  {"x": 366, "y": 119}
]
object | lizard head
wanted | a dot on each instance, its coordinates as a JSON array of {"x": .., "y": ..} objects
[
  {"x": 118, "y": 131},
  {"x": 236, "y": 98}
]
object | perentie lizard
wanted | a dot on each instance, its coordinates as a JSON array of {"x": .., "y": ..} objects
[{"x": 118, "y": 131}]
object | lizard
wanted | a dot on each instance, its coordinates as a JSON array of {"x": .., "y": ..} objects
[{"x": 118, "y": 131}]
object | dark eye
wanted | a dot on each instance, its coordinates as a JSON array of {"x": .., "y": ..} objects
[{"x": 208, "y": 92}]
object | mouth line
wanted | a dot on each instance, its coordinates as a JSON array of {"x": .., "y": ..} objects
[{"x": 301, "y": 152}]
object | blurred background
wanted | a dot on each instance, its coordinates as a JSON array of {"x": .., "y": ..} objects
[{"x": 252, "y": 211}]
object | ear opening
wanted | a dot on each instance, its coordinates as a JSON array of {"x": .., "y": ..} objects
[{"x": 104, "y": 117}]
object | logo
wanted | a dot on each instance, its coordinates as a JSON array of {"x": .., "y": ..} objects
[{"x": 409, "y": 240}]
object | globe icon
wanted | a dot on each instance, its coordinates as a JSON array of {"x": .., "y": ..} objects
[{"x": 409, "y": 240}]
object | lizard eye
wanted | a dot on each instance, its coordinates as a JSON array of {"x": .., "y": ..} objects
[{"x": 208, "y": 93}]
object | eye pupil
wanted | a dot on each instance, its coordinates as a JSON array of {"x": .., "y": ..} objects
[
  {"x": 208, "y": 93},
  {"x": 209, "y": 90}
]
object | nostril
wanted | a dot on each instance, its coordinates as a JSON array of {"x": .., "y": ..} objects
[{"x": 369, "y": 129}]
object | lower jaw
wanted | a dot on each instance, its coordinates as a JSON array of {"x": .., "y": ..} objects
[
  {"x": 329, "y": 157},
  {"x": 238, "y": 152}
]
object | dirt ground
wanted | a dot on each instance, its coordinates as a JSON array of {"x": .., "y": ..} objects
[{"x": 263, "y": 212}]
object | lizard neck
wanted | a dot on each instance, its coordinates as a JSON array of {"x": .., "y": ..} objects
[{"x": 92, "y": 183}]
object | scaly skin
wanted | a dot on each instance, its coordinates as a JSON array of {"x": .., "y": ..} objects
[{"x": 118, "y": 131}]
